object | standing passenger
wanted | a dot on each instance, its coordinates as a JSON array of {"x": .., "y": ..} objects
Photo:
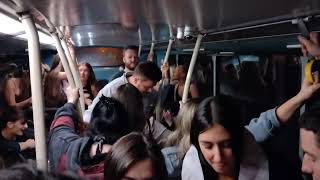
[
  {"x": 135, "y": 157},
  {"x": 17, "y": 89},
  {"x": 89, "y": 82},
  {"x": 178, "y": 142},
  {"x": 310, "y": 121},
  {"x": 84, "y": 155},
  {"x": 54, "y": 94},
  {"x": 130, "y": 60},
  {"x": 310, "y": 142},
  {"x": 144, "y": 77},
  {"x": 223, "y": 149}
]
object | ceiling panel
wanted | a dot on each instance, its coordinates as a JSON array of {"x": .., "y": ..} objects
[{"x": 116, "y": 22}]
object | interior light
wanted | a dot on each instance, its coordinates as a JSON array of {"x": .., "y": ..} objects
[
  {"x": 226, "y": 53},
  {"x": 293, "y": 46},
  {"x": 191, "y": 50},
  {"x": 9, "y": 25},
  {"x": 43, "y": 38},
  {"x": 179, "y": 33}
]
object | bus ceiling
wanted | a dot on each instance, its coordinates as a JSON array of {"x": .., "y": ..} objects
[{"x": 115, "y": 23}]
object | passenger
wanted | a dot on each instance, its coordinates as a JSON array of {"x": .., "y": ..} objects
[
  {"x": 14, "y": 145},
  {"x": 229, "y": 83},
  {"x": 54, "y": 88},
  {"x": 222, "y": 149},
  {"x": 84, "y": 155},
  {"x": 152, "y": 57},
  {"x": 252, "y": 86},
  {"x": 17, "y": 91},
  {"x": 174, "y": 95},
  {"x": 135, "y": 157},
  {"x": 144, "y": 77},
  {"x": 89, "y": 82},
  {"x": 130, "y": 60},
  {"x": 180, "y": 74},
  {"x": 309, "y": 121},
  {"x": 131, "y": 98},
  {"x": 310, "y": 142},
  {"x": 178, "y": 142}
]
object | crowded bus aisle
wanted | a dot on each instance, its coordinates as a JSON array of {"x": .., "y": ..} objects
[{"x": 139, "y": 126}]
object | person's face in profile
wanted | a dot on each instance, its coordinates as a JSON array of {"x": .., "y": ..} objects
[
  {"x": 18, "y": 127},
  {"x": 311, "y": 157},
  {"x": 141, "y": 170}
]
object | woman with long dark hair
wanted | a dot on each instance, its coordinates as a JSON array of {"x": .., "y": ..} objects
[
  {"x": 89, "y": 82},
  {"x": 135, "y": 156},
  {"x": 17, "y": 88},
  {"x": 224, "y": 149}
]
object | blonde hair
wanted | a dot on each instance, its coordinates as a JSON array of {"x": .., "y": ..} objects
[{"x": 181, "y": 136}]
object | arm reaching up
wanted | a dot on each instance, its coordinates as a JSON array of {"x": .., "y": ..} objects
[
  {"x": 72, "y": 95},
  {"x": 267, "y": 124},
  {"x": 310, "y": 46},
  {"x": 286, "y": 110}
]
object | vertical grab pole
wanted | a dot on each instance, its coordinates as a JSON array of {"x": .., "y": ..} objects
[
  {"x": 74, "y": 70},
  {"x": 63, "y": 59},
  {"x": 153, "y": 39},
  {"x": 166, "y": 58},
  {"x": 191, "y": 67},
  {"x": 214, "y": 63},
  {"x": 65, "y": 63},
  {"x": 36, "y": 91},
  {"x": 140, "y": 42},
  {"x": 171, "y": 40}
]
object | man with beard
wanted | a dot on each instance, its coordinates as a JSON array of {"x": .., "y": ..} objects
[{"x": 130, "y": 60}]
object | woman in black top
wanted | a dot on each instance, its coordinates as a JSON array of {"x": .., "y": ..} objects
[{"x": 88, "y": 81}]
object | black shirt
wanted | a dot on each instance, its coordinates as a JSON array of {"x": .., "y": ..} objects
[{"x": 10, "y": 151}]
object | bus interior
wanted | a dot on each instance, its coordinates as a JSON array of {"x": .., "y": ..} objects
[{"x": 246, "y": 49}]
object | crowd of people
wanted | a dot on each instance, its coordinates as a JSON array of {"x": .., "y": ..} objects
[{"x": 201, "y": 139}]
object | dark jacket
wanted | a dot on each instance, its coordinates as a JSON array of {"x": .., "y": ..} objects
[{"x": 69, "y": 152}]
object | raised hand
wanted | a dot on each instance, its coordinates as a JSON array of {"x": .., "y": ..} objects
[
  {"x": 72, "y": 94},
  {"x": 310, "y": 47}
]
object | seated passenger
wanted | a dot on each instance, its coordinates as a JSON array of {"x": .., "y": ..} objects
[
  {"x": 178, "y": 142},
  {"x": 222, "y": 149},
  {"x": 84, "y": 155},
  {"x": 13, "y": 142},
  {"x": 17, "y": 90},
  {"x": 135, "y": 157},
  {"x": 54, "y": 94},
  {"x": 130, "y": 60},
  {"x": 88, "y": 81}
]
